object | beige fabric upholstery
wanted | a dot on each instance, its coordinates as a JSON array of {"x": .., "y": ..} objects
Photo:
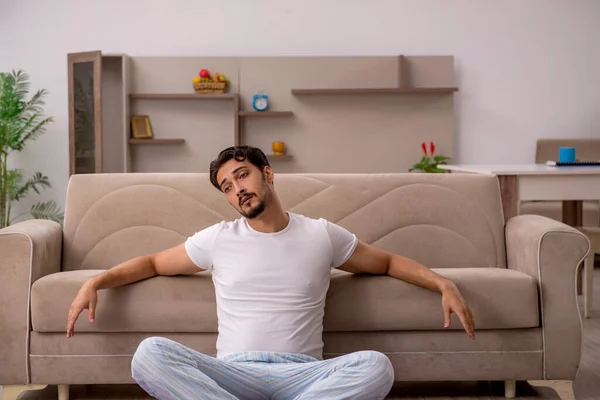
[
  {"x": 450, "y": 222},
  {"x": 28, "y": 251},
  {"x": 501, "y": 299},
  {"x": 416, "y": 355},
  {"x": 430, "y": 366},
  {"x": 550, "y": 252},
  {"x": 125, "y": 343},
  {"x": 113, "y": 217}
]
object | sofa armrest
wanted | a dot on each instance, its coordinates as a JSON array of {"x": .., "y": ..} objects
[
  {"x": 550, "y": 252},
  {"x": 28, "y": 251}
]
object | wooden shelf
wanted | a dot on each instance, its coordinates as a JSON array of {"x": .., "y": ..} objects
[
  {"x": 183, "y": 96},
  {"x": 156, "y": 141},
  {"x": 273, "y": 157},
  {"x": 265, "y": 114},
  {"x": 404, "y": 90}
]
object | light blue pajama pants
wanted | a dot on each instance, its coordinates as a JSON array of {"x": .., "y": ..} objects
[{"x": 168, "y": 370}]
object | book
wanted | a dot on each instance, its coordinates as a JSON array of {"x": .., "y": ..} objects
[{"x": 573, "y": 164}]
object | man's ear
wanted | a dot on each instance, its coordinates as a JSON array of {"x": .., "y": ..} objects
[{"x": 268, "y": 174}]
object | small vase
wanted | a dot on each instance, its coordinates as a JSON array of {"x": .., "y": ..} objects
[{"x": 278, "y": 148}]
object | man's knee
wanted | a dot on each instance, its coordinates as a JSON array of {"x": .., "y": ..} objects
[
  {"x": 378, "y": 366},
  {"x": 148, "y": 356}
]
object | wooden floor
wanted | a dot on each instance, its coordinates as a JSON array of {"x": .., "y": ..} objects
[{"x": 587, "y": 384}]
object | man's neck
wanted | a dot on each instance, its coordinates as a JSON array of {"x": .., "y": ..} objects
[{"x": 272, "y": 219}]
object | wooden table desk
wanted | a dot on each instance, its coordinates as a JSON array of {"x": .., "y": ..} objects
[{"x": 522, "y": 182}]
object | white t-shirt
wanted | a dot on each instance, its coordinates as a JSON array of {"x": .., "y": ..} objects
[{"x": 271, "y": 287}]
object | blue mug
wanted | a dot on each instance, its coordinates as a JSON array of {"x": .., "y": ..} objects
[{"x": 566, "y": 154}]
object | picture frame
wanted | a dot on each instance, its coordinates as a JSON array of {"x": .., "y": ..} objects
[{"x": 140, "y": 127}]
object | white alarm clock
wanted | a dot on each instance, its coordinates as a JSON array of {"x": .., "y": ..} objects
[{"x": 260, "y": 101}]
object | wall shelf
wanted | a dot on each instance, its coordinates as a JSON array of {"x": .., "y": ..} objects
[
  {"x": 119, "y": 87},
  {"x": 404, "y": 90},
  {"x": 183, "y": 96},
  {"x": 156, "y": 141},
  {"x": 273, "y": 157},
  {"x": 266, "y": 114}
]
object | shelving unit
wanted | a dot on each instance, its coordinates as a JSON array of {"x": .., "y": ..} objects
[
  {"x": 412, "y": 95},
  {"x": 156, "y": 141},
  {"x": 265, "y": 114},
  {"x": 187, "y": 96},
  {"x": 400, "y": 90},
  {"x": 261, "y": 115},
  {"x": 183, "y": 96},
  {"x": 272, "y": 157}
]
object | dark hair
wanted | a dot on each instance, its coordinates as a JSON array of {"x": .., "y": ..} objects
[{"x": 254, "y": 155}]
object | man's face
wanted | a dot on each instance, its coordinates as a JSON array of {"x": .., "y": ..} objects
[{"x": 246, "y": 187}]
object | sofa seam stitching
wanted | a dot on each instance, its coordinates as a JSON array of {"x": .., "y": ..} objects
[
  {"x": 330, "y": 353},
  {"x": 28, "y": 313},
  {"x": 544, "y": 362}
]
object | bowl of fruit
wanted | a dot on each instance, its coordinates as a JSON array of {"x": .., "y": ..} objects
[{"x": 207, "y": 83}]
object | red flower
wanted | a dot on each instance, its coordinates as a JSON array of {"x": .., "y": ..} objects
[
  {"x": 432, "y": 147},
  {"x": 424, "y": 147}
]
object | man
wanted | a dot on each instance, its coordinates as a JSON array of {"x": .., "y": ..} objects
[{"x": 271, "y": 271}]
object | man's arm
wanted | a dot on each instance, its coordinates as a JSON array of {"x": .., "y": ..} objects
[
  {"x": 372, "y": 260},
  {"x": 173, "y": 261}
]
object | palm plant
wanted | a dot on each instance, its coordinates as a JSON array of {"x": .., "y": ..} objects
[{"x": 21, "y": 120}]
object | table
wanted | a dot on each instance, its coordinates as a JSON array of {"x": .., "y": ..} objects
[{"x": 523, "y": 182}]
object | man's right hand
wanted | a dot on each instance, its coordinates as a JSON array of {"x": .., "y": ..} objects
[
  {"x": 173, "y": 261},
  {"x": 86, "y": 299}
]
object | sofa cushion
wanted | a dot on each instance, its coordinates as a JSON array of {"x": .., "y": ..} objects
[
  {"x": 439, "y": 220},
  {"x": 499, "y": 299}
]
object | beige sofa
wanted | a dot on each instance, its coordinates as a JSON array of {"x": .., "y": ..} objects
[{"x": 518, "y": 278}]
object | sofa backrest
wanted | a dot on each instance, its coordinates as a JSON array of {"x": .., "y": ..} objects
[
  {"x": 440, "y": 220},
  {"x": 586, "y": 149}
]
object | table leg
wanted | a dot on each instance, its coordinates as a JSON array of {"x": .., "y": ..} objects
[
  {"x": 572, "y": 214},
  {"x": 509, "y": 192}
]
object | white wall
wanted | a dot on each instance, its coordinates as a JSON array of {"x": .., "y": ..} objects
[{"x": 526, "y": 69}]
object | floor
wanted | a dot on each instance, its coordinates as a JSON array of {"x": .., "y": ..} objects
[{"x": 587, "y": 384}]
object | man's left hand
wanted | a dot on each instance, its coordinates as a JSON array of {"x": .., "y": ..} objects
[{"x": 453, "y": 302}]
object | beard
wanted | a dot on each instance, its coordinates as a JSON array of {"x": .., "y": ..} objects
[
  {"x": 261, "y": 204},
  {"x": 255, "y": 211}
]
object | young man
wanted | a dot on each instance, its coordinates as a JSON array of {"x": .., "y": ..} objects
[{"x": 271, "y": 271}]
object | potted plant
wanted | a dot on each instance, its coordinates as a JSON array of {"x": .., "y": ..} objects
[
  {"x": 21, "y": 120},
  {"x": 429, "y": 162}
]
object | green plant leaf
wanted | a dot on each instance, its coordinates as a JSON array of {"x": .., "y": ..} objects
[
  {"x": 21, "y": 120},
  {"x": 13, "y": 182},
  {"x": 47, "y": 210},
  {"x": 35, "y": 182},
  {"x": 32, "y": 134},
  {"x": 34, "y": 105}
]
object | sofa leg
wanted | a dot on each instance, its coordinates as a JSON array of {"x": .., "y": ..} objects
[
  {"x": 63, "y": 392},
  {"x": 12, "y": 392},
  {"x": 510, "y": 389},
  {"x": 564, "y": 389}
]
